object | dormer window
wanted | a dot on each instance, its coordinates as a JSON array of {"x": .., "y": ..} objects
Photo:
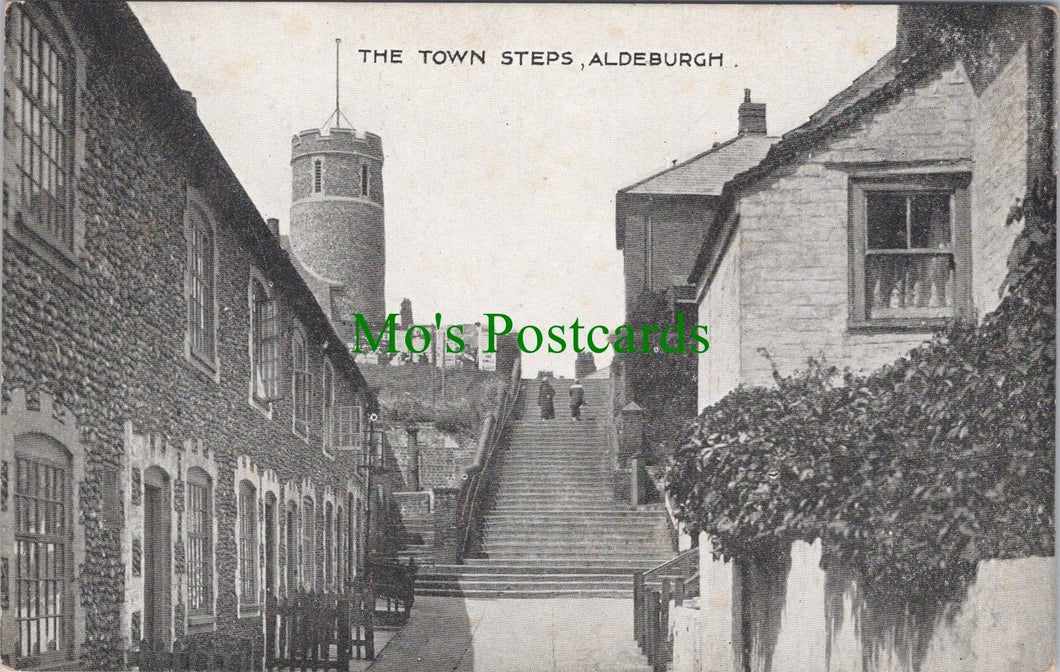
[
  {"x": 365, "y": 180},
  {"x": 318, "y": 176}
]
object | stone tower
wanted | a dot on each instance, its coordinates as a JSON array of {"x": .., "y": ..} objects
[{"x": 336, "y": 229}]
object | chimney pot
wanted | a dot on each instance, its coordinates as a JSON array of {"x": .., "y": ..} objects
[
  {"x": 274, "y": 226},
  {"x": 752, "y": 116}
]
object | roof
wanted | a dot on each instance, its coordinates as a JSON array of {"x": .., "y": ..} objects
[
  {"x": 877, "y": 86},
  {"x": 706, "y": 174},
  {"x": 135, "y": 51}
]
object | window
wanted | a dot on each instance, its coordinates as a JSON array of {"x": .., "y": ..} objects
[
  {"x": 328, "y": 392},
  {"x": 329, "y": 547},
  {"x": 202, "y": 315},
  {"x": 38, "y": 124},
  {"x": 346, "y": 423},
  {"x": 200, "y": 543},
  {"x": 365, "y": 180},
  {"x": 910, "y": 251},
  {"x": 265, "y": 346},
  {"x": 318, "y": 176},
  {"x": 340, "y": 549},
  {"x": 309, "y": 555},
  {"x": 248, "y": 544},
  {"x": 292, "y": 548},
  {"x": 301, "y": 384},
  {"x": 43, "y": 576}
]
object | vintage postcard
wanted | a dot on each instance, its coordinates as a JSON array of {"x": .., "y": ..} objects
[{"x": 528, "y": 337}]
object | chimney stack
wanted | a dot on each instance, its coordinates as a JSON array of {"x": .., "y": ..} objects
[
  {"x": 752, "y": 116},
  {"x": 274, "y": 226}
]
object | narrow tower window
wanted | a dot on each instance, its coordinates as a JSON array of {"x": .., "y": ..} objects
[
  {"x": 318, "y": 176},
  {"x": 364, "y": 179}
]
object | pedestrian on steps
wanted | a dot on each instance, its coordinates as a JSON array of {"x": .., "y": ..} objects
[
  {"x": 544, "y": 400},
  {"x": 577, "y": 398}
]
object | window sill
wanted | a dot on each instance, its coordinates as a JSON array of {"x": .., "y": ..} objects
[
  {"x": 927, "y": 325},
  {"x": 64, "y": 261},
  {"x": 249, "y": 610},
  {"x": 201, "y": 623},
  {"x": 201, "y": 364}
]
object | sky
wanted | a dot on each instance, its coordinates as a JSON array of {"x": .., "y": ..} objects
[{"x": 499, "y": 179}]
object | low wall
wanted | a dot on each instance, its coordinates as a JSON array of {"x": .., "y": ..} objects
[{"x": 799, "y": 617}]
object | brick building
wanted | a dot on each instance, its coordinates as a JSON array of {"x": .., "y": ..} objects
[
  {"x": 660, "y": 221},
  {"x": 884, "y": 216},
  {"x": 180, "y": 419}
]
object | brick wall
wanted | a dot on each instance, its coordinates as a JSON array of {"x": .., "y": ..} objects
[
  {"x": 794, "y": 251},
  {"x": 107, "y": 343},
  {"x": 719, "y": 309},
  {"x": 677, "y": 227},
  {"x": 1000, "y": 177}
]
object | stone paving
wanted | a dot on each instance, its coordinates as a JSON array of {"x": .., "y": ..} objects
[{"x": 452, "y": 634}]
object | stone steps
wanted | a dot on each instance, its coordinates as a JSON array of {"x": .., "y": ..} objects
[{"x": 555, "y": 529}]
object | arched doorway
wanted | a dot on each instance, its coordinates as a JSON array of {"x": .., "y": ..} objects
[{"x": 157, "y": 560}]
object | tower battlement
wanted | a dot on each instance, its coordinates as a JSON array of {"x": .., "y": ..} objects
[{"x": 312, "y": 141}]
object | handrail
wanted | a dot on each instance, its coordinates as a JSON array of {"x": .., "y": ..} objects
[
  {"x": 471, "y": 496},
  {"x": 688, "y": 557}
]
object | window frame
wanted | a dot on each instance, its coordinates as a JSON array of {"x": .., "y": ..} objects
[
  {"x": 50, "y": 454},
  {"x": 309, "y": 543},
  {"x": 328, "y": 403},
  {"x": 256, "y": 343},
  {"x": 201, "y": 614},
  {"x": 860, "y": 188},
  {"x": 63, "y": 255},
  {"x": 248, "y": 542},
  {"x": 205, "y": 360},
  {"x": 300, "y": 425}
]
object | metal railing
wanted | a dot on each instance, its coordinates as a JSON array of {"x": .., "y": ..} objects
[
  {"x": 479, "y": 480},
  {"x": 653, "y": 592}
]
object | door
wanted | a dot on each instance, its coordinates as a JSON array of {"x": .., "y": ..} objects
[{"x": 157, "y": 563}]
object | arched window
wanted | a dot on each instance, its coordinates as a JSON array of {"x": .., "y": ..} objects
[
  {"x": 329, "y": 546},
  {"x": 270, "y": 575},
  {"x": 201, "y": 283},
  {"x": 328, "y": 394},
  {"x": 248, "y": 543},
  {"x": 309, "y": 555},
  {"x": 265, "y": 343},
  {"x": 301, "y": 384},
  {"x": 341, "y": 534},
  {"x": 292, "y": 547},
  {"x": 43, "y": 567},
  {"x": 200, "y": 543}
]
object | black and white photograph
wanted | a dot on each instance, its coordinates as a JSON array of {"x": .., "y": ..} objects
[{"x": 515, "y": 337}]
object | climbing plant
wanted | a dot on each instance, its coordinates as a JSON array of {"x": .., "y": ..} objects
[
  {"x": 910, "y": 474},
  {"x": 662, "y": 383}
]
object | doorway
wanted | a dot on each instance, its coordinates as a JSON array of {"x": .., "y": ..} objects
[{"x": 157, "y": 562}]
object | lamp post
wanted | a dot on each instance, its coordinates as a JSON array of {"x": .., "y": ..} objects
[{"x": 372, "y": 462}]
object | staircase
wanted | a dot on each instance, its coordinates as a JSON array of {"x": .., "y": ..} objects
[{"x": 555, "y": 529}]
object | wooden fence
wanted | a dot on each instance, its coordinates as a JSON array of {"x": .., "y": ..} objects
[
  {"x": 312, "y": 631},
  {"x": 653, "y": 592},
  {"x": 394, "y": 588}
]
